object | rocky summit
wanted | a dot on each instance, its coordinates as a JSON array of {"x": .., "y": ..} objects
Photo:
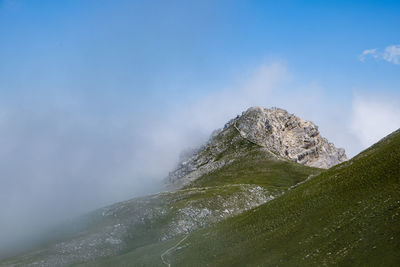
[
  {"x": 283, "y": 135},
  {"x": 289, "y": 137}
]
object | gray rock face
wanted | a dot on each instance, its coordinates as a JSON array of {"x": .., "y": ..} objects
[
  {"x": 289, "y": 137},
  {"x": 284, "y": 135}
]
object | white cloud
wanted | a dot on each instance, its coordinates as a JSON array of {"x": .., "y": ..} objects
[
  {"x": 390, "y": 54},
  {"x": 268, "y": 85},
  {"x": 368, "y": 52},
  {"x": 373, "y": 119}
]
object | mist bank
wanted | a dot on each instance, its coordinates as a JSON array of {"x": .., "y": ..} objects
[{"x": 66, "y": 153}]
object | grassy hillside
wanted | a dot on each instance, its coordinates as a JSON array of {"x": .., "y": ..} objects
[
  {"x": 349, "y": 215},
  {"x": 260, "y": 168}
]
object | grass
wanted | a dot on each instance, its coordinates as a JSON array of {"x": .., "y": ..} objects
[
  {"x": 260, "y": 168},
  {"x": 348, "y": 215}
]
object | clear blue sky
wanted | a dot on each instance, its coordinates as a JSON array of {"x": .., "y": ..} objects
[
  {"x": 149, "y": 51},
  {"x": 98, "y": 98}
]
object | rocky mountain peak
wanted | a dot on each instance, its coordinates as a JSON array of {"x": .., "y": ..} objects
[
  {"x": 289, "y": 137},
  {"x": 274, "y": 132}
]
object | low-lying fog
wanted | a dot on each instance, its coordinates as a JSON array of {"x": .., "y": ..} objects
[{"x": 64, "y": 153}]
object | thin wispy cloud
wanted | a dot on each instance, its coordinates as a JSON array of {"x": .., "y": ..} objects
[
  {"x": 390, "y": 54},
  {"x": 368, "y": 52}
]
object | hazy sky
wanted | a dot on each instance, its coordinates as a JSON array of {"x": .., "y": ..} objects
[{"x": 97, "y": 98}]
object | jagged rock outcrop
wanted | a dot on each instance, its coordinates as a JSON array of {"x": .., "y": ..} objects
[
  {"x": 289, "y": 136},
  {"x": 283, "y": 135}
]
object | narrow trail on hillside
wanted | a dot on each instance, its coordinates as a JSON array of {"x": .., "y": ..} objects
[{"x": 168, "y": 250}]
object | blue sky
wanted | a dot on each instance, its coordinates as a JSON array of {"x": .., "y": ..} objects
[
  {"x": 98, "y": 98},
  {"x": 155, "y": 50}
]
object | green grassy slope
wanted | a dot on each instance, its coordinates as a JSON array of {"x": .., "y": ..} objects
[
  {"x": 256, "y": 167},
  {"x": 348, "y": 215},
  {"x": 260, "y": 168}
]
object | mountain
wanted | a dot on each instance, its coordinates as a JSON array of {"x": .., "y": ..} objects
[
  {"x": 241, "y": 199},
  {"x": 348, "y": 215},
  {"x": 227, "y": 176},
  {"x": 273, "y": 131}
]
